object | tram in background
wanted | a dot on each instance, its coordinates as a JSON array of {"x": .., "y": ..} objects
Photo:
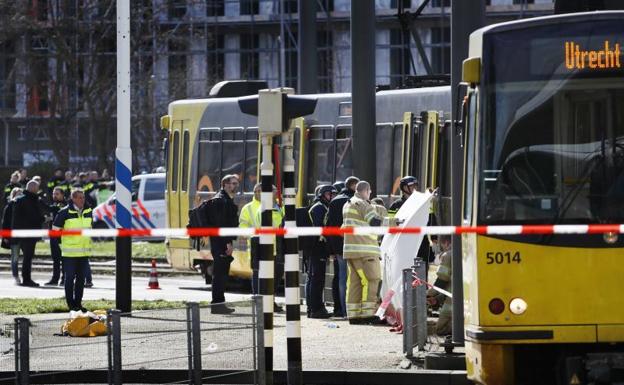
[
  {"x": 209, "y": 138},
  {"x": 544, "y": 144}
]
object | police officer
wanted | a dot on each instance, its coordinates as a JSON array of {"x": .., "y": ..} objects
[
  {"x": 90, "y": 187},
  {"x": 407, "y": 185},
  {"x": 247, "y": 219},
  {"x": 362, "y": 254},
  {"x": 318, "y": 253},
  {"x": 335, "y": 245},
  {"x": 58, "y": 202},
  {"x": 28, "y": 214},
  {"x": 443, "y": 281},
  {"x": 76, "y": 249},
  {"x": 56, "y": 180},
  {"x": 13, "y": 183},
  {"x": 66, "y": 184},
  {"x": 222, "y": 212}
]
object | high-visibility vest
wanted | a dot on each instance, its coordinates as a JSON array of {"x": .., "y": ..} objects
[
  {"x": 77, "y": 245},
  {"x": 358, "y": 213},
  {"x": 247, "y": 217}
]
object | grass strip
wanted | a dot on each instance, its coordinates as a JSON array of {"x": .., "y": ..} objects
[
  {"x": 140, "y": 250},
  {"x": 25, "y": 306}
]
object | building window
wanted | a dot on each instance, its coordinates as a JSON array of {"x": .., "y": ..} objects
[
  {"x": 249, "y": 7},
  {"x": 325, "y": 42},
  {"x": 325, "y": 5},
  {"x": 249, "y": 57},
  {"x": 440, "y": 3},
  {"x": 177, "y": 69},
  {"x": 291, "y": 71},
  {"x": 441, "y": 50},
  {"x": 40, "y": 9},
  {"x": 7, "y": 84},
  {"x": 399, "y": 57},
  {"x": 290, "y": 6},
  {"x": 177, "y": 9},
  {"x": 215, "y": 59},
  {"x": 524, "y": 2},
  {"x": 397, "y": 3},
  {"x": 215, "y": 7}
]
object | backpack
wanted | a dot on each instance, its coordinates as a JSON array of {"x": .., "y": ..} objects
[
  {"x": 302, "y": 217},
  {"x": 198, "y": 218}
]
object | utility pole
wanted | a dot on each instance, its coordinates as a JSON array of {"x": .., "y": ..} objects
[
  {"x": 466, "y": 16},
  {"x": 123, "y": 162},
  {"x": 308, "y": 52},
  {"x": 363, "y": 90}
]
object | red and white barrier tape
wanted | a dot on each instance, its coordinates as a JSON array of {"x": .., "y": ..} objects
[{"x": 325, "y": 231}]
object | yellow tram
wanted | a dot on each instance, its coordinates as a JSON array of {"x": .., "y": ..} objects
[
  {"x": 209, "y": 138},
  {"x": 544, "y": 144}
]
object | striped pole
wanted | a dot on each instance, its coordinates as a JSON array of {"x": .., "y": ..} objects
[
  {"x": 291, "y": 267},
  {"x": 123, "y": 160},
  {"x": 266, "y": 273}
]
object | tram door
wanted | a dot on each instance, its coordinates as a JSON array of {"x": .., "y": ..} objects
[
  {"x": 178, "y": 175},
  {"x": 420, "y": 147}
]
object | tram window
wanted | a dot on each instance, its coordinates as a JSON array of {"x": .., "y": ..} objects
[
  {"x": 469, "y": 166},
  {"x": 174, "y": 165},
  {"x": 384, "y": 152},
  {"x": 344, "y": 153},
  {"x": 232, "y": 161},
  {"x": 185, "y": 160},
  {"x": 154, "y": 189},
  {"x": 251, "y": 159},
  {"x": 209, "y": 160},
  {"x": 397, "y": 144},
  {"x": 320, "y": 156}
]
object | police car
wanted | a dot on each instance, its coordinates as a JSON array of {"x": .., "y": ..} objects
[{"x": 148, "y": 204}]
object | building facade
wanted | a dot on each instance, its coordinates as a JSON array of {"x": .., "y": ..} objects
[{"x": 51, "y": 107}]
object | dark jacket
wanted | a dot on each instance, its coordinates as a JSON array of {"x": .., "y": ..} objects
[
  {"x": 7, "y": 191},
  {"x": 54, "y": 209},
  {"x": 318, "y": 247},
  {"x": 396, "y": 205},
  {"x": 27, "y": 213},
  {"x": 7, "y": 218},
  {"x": 334, "y": 218},
  {"x": 222, "y": 212}
]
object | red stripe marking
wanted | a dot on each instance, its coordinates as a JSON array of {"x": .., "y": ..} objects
[
  {"x": 5, "y": 233},
  {"x": 203, "y": 232},
  {"x": 471, "y": 230},
  {"x": 279, "y": 231},
  {"x": 336, "y": 231},
  {"x": 601, "y": 229},
  {"x": 135, "y": 213},
  {"x": 134, "y": 232},
  {"x": 538, "y": 229},
  {"x": 109, "y": 214},
  {"x": 143, "y": 209}
]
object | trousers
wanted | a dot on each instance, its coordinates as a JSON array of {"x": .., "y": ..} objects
[
  {"x": 362, "y": 287},
  {"x": 75, "y": 272}
]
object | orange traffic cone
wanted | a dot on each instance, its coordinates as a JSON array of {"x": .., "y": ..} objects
[{"x": 153, "y": 281}]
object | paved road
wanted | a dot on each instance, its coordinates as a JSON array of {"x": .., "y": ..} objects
[
  {"x": 342, "y": 347},
  {"x": 188, "y": 288}
]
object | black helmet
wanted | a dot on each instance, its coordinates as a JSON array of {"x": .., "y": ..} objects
[
  {"x": 326, "y": 188},
  {"x": 339, "y": 186},
  {"x": 407, "y": 181}
]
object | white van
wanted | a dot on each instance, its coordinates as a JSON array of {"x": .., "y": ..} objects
[{"x": 148, "y": 204}]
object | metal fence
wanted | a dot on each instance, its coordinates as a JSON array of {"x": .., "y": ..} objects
[
  {"x": 199, "y": 346},
  {"x": 414, "y": 309}
]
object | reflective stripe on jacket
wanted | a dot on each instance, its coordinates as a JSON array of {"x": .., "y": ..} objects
[
  {"x": 76, "y": 245},
  {"x": 358, "y": 212}
]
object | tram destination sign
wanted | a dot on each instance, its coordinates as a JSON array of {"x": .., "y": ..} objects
[{"x": 579, "y": 57}]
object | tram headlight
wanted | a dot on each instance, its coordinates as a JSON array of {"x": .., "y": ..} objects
[
  {"x": 610, "y": 237},
  {"x": 496, "y": 306},
  {"x": 517, "y": 306}
]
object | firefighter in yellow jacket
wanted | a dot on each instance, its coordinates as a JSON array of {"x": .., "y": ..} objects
[{"x": 362, "y": 254}]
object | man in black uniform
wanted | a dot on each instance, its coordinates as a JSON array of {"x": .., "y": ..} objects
[
  {"x": 13, "y": 183},
  {"x": 222, "y": 212},
  {"x": 56, "y": 180},
  {"x": 58, "y": 202},
  {"x": 28, "y": 214},
  {"x": 318, "y": 253},
  {"x": 335, "y": 244}
]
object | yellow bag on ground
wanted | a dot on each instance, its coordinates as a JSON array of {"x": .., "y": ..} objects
[{"x": 85, "y": 326}]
